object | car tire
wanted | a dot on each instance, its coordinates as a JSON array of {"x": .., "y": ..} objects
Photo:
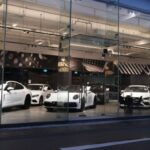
[
  {"x": 82, "y": 104},
  {"x": 27, "y": 102},
  {"x": 94, "y": 102},
  {"x": 41, "y": 101}
]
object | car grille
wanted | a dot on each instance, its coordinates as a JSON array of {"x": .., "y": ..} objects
[
  {"x": 136, "y": 100},
  {"x": 50, "y": 104},
  {"x": 56, "y": 104},
  {"x": 146, "y": 103},
  {"x": 70, "y": 104},
  {"x": 130, "y": 100}
]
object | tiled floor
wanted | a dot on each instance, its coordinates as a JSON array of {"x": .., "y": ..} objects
[{"x": 40, "y": 114}]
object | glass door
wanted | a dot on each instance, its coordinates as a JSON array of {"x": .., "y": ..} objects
[
  {"x": 93, "y": 61},
  {"x": 134, "y": 25},
  {"x": 36, "y": 42}
]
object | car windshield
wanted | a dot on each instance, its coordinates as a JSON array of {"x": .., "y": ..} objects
[
  {"x": 35, "y": 87},
  {"x": 136, "y": 89}
]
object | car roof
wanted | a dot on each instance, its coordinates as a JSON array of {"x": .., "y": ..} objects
[
  {"x": 138, "y": 86},
  {"x": 14, "y": 81}
]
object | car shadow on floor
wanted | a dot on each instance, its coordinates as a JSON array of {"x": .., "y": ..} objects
[{"x": 10, "y": 109}]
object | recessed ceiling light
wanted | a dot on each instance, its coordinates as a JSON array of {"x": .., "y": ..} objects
[
  {"x": 54, "y": 45},
  {"x": 63, "y": 59},
  {"x": 130, "y": 15},
  {"x": 14, "y": 24},
  {"x": 39, "y": 42}
]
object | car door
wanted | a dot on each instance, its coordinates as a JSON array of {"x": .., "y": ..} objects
[
  {"x": 20, "y": 94},
  {"x": 9, "y": 98}
]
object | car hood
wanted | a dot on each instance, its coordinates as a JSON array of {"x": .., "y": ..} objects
[{"x": 135, "y": 94}]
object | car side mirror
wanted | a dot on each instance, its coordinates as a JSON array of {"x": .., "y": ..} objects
[{"x": 10, "y": 89}]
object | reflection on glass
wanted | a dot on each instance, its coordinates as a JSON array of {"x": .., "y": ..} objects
[
  {"x": 87, "y": 51},
  {"x": 33, "y": 32}
]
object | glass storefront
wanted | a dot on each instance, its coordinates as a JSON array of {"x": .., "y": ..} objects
[
  {"x": 72, "y": 60},
  {"x": 134, "y": 60}
]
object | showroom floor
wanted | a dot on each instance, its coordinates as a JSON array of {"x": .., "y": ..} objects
[{"x": 40, "y": 114}]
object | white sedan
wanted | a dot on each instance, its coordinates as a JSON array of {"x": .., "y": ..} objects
[
  {"x": 15, "y": 94},
  {"x": 135, "y": 96},
  {"x": 39, "y": 92},
  {"x": 72, "y": 98}
]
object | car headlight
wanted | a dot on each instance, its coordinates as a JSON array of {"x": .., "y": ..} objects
[
  {"x": 48, "y": 95},
  {"x": 75, "y": 96},
  {"x": 35, "y": 95}
]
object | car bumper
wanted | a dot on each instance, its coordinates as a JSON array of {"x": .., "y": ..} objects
[
  {"x": 55, "y": 104},
  {"x": 136, "y": 102}
]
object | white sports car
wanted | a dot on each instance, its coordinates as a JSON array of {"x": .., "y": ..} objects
[
  {"x": 39, "y": 92},
  {"x": 135, "y": 95},
  {"x": 15, "y": 94},
  {"x": 73, "y": 98}
]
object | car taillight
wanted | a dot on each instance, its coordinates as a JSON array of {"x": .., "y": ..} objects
[{"x": 75, "y": 96}]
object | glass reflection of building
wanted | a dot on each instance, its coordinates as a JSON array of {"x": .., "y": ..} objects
[{"x": 63, "y": 43}]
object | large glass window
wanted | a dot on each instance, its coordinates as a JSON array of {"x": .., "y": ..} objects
[
  {"x": 134, "y": 60},
  {"x": 64, "y": 60},
  {"x": 33, "y": 43},
  {"x": 94, "y": 31}
]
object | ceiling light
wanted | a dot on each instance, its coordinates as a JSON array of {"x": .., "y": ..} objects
[
  {"x": 142, "y": 42},
  {"x": 112, "y": 52},
  {"x": 65, "y": 33},
  {"x": 54, "y": 45},
  {"x": 63, "y": 59},
  {"x": 39, "y": 42},
  {"x": 14, "y": 24},
  {"x": 85, "y": 46},
  {"x": 130, "y": 15}
]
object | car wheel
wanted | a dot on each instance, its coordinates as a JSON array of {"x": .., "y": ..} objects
[
  {"x": 27, "y": 102},
  {"x": 94, "y": 102},
  {"x": 82, "y": 104},
  {"x": 41, "y": 101}
]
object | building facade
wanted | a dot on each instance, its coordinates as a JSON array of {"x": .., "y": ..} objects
[{"x": 73, "y": 60}]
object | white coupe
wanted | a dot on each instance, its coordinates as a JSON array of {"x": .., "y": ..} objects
[
  {"x": 14, "y": 94},
  {"x": 72, "y": 98},
  {"x": 39, "y": 92},
  {"x": 135, "y": 95}
]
